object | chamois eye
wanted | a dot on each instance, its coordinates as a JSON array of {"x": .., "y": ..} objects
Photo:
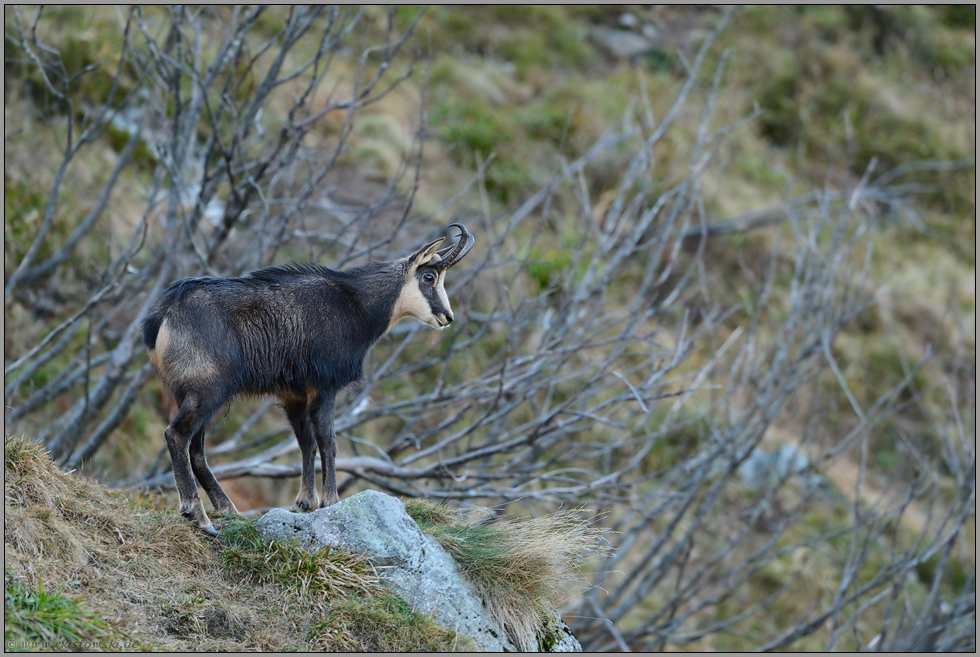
[{"x": 429, "y": 278}]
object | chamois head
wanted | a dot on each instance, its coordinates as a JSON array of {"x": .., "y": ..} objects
[{"x": 423, "y": 295}]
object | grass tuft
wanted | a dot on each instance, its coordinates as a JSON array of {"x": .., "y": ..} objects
[
  {"x": 49, "y": 513},
  {"x": 313, "y": 574},
  {"x": 27, "y": 469},
  {"x": 520, "y": 567}
]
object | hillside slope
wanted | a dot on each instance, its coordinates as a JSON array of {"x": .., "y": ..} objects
[{"x": 101, "y": 571}]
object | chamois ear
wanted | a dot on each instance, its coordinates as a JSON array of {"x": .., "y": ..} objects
[{"x": 425, "y": 254}]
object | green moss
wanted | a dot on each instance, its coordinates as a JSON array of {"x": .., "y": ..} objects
[
  {"x": 532, "y": 38},
  {"x": 780, "y": 120},
  {"x": 507, "y": 180},
  {"x": 660, "y": 62}
]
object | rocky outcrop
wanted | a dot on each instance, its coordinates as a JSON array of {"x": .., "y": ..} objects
[
  {"x": 414, "y": 564},
  {"x": 763, "y": 469}
]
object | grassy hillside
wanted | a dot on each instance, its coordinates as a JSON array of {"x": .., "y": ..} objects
[{"x": 825, "y": 151}]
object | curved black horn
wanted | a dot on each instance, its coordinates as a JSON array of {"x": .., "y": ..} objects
[{"x": 462, "y": 247}]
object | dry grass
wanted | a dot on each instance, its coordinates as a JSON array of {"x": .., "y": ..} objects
[
  {"x": 83, "y": 562},
  {"x": 522, "y": 568}
]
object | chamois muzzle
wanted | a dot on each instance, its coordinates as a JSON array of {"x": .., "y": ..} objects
[{"x": 454, "y": 254}]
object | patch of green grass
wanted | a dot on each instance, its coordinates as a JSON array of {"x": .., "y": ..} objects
[
  {"x": 429, "y": 514},
  {"x": 886, "y": 368},
  {"x": 83, "y": 60},
  {"x": 508, "y": 180},
  {"x": 842, "y": 92},
  {"x": 960, "y": 16},
  {"x": 380, "y": 624},
  {"x": 472, "y": 126},
  {"x": 548, "y": 269},
  {"x": 533, "y": 38},
  {"x": 143, "y": 154},
  {"x": 679, "y": 444},
  {"x": 48, "y": 621},
  {"x": 23, "y": 209},
  {"x": 541, "y": 35},
  {"x": 545, "y": 121}
]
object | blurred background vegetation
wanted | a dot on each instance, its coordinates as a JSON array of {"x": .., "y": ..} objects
[{"x": 495, "y": 102}]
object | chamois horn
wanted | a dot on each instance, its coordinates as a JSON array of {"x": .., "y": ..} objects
[{"x": 456, "y": 253}]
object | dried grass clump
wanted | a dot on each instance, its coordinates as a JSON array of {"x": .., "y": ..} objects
[
  {"x": 29, "y": 475},
  {"x": 521, "y": 567},
  {"x": 47, "y": 513}
]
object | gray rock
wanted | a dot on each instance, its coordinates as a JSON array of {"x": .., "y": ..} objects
[
  {"x": 416, "y": 565},
  {"x": 789, "y": 459},
  {"x": 761, "y": 468},
  {"x": 756, "y": 469},
  {"x": 628, "y": 20},
  {"x": 559, "y": 637},
  {"x": 621, "y": 43}
]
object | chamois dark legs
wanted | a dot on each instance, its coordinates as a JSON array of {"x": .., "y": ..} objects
[
  {"x": 191, "y": 417},
  {"x": 206, "y": 478},
  {"x": 298, "y": 414},
  {"x": 321, "y": 416}
]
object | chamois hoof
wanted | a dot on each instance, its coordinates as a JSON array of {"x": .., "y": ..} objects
[
  {"x": 329, "y": 501},
  {"x": 308, "y": 503},
  {"x": 194, "y": 512}
]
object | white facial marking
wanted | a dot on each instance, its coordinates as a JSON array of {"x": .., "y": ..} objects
[{"x": 412, "y": 303}]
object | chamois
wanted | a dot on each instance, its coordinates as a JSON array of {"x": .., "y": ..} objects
[{"x": 297, "y": 332}]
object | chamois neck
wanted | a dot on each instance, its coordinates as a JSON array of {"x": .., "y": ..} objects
[{"x": 378, "y": 285}]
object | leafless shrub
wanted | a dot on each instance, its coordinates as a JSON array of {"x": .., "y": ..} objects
[
  {"x": 190, "y": 87},
  {"x": 592, "y": 364}
]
